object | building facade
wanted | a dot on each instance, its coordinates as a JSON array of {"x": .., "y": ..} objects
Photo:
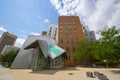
[
  {"x": 7, "y": 39},
  {"x": 38, "y": 53},
  {"x": 44, "y": 33},
  {"x": 89, "y": 35},
  {"x": 8, "y": 48},
  {"x": 53, "y": 32},
  {"x": 69, "y": 34}
]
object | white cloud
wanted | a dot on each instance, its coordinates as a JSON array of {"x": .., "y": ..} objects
[
  {"x": 46, "y": 20},
  {"x": 95, "y": 13},
  {"x": 33, "y": 33},
  {"x": 39, "y": 17},
  {"x": 3, "y": 29},
  {"x": 23, "y": 31},
  {"x": 19, "y": 42}
]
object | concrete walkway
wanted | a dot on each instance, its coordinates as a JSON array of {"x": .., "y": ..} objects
[
  {"x": 4, "y": 75},
  {"x": 71, "y": 73}
]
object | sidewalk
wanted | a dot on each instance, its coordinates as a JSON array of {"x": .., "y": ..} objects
[
  {"x": 70, "y": 73},
  {"x": 4, "y": 75}
]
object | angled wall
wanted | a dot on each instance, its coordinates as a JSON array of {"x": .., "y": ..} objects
[{"x": 23, "y": 59}]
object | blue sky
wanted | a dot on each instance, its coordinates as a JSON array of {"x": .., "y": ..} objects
[
  {"x": 31, "y": 17},
  {"x": 24, "y": 17}
]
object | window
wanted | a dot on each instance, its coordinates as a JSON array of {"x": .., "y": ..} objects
[
  {"x": 73, "y": 19},
  {"x": 70, "y": 30},
  {"x": 61, "y": 35},
  {"x": 73, "y": 48},
  {"x": 75, "y": 30},
  {"x": 66, "y": 35},
  {"x": 55, "y": 34},
  {"x": 68, "y": 57},
  {"x": 71, "y": 35},
  {"x": 69, "y": 22},
  {"x": 70, "y": 26},
  {"x": 72, "y": 41},
  {"x": 83, "y": 27},
  {"x": 60, "y": 26},
  {"x": 73, "y": 22},
  {"x": 68, "y": 49},
  {"x": 76, "y": 40},
  {"x": 66, "y": 41},
  {"x": 62, "y": 47},
  {"x": 91, "y": 33},
  {"x": 66, "y": 31},
  {"x": 50, "y": 31},
  {"x": 61, "y": 41},
  {"x": 61, "y": 30},
  {"x": 86, "y": 34},
  {"x": 76, "y": 35},
  {"x": 61, "y": 23}
]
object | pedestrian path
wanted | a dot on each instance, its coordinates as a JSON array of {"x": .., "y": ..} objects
[{"x": 4, "y": 75}]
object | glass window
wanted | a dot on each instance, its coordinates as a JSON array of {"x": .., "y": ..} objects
[
  {"x": 73, "y": 48},
  {"x": 76, "y": 35},
  {"x": 83, "y": 27},
  {"x": 71, "y": 35},
  {"x": 61, "y": 35},
  {"x": 60, "y": 26},
  {"x": 55, "y": 34},
  {"x": 86, "y": 34},
  {"x": 66, "y": 41},
  {"x": 72, "y": 41},
  {"x": 61, "y": 41},
  {"x": 76, "y": 40},
  {"x": 91, "y": 33},
  {"x": 68, "y": 57},
  {"x": 66, "y": 31},
  {"x": 70, "y": 30},
  {"x": 61, "y": 30},
  {"x": 62, "y": 47},
  {"x": 75, "y": 30},
  {"x": 67, "y": 48},
  {"x": 73, "y": 22}
]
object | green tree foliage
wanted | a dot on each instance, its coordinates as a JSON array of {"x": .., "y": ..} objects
[
  {"x": 82, "y": 52},
  {"x": 108, "y": 46},
  {"x": 106, "y": 49},
  {"x": 9, "y": 56}
]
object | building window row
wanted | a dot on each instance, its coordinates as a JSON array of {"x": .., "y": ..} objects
[
  {"x": 67, "y": 19},
  {"x": 70, "y": 22},
  {"x": 69, "y": 41},
  {"x": 71, "y": 30},
  {"x": 72, "y": 26},
  {"x": 69, "y": 35},
  {"x": 69, "y": 48}
]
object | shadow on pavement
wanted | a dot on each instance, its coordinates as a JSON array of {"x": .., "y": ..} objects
[
  {"x": 52, "y": 72},
  {"x": 116, "y": 71}
]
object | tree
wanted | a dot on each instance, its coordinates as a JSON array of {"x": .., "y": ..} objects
[
  {"x": 107, "y": 47},
  {"x": 8, "y": 57},
  {"x": 82, "y": 52}
]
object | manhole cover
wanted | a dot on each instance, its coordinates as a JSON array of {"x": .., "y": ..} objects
[{"x": 70, "y": 73}]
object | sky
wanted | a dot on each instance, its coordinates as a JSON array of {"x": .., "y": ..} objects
[{"x": 31, "y": 17}]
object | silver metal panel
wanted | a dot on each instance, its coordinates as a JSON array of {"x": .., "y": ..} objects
[{"x": 23, "y": 59}]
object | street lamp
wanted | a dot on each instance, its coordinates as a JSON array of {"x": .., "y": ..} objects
[{"x": 105, "y": 63}]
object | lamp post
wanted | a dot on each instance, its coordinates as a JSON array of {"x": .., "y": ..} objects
[{"x": 105, "y": 63}]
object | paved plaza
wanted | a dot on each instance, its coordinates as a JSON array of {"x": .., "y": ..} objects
[
  {"x": 71, "y": 73},
  {"x": 4, "y": 75}
]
